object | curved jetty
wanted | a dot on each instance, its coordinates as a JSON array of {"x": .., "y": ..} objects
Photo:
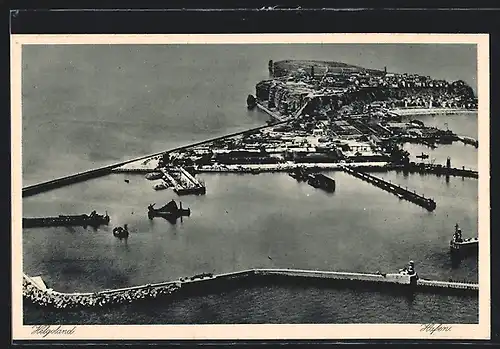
[
  {"x": 35, "y": 290},
  {"x": 84, "y": 220}
]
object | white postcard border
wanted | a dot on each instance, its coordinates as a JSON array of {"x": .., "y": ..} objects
[{"x": 265, "y": 331}]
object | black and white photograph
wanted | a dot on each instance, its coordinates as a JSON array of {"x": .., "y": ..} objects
[{"x": 252, "y": 180}]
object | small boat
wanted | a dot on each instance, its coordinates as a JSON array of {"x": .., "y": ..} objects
[
  {"x": 154, "y": 175},
  {"x": 160, "y": 186},
  {"x": 423, "y": 156},
  {"x": 126, "y": 181},
  {"x": 463, "y": 246},
  {"x": 121, "y": 232}
]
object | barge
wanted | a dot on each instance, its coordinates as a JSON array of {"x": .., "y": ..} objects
[
  {"x": 314, "y": 179},
  {"x": 83, "y": 220},
  {"x": 300, "y": 174}
]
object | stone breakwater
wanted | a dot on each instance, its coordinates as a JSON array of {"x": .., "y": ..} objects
[
  {"x": 50, "y": 298},
  {"x": 37, "y": 293}
]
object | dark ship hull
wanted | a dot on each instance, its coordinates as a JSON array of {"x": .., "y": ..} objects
[
  {"x": 170, "y": 211},
  {"x": 300, "y": 174},
  {"x": 320, "y": 181},
  {"x": 187, "y": 191},
  {"x": 121, "y": 233},
  {"x": 170, "y": 215},
  {"x": 83, "y": 220},
  {"x": 251, "y": 102}
]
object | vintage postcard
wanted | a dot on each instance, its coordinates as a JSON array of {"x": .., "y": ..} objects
[{"x": 250, "y": 186}]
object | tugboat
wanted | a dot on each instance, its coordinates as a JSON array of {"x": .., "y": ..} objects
[
  {"x": 459, "y": 245},
  {"x": 121, "y": 232},
  {"x": 170, "y": 211}
]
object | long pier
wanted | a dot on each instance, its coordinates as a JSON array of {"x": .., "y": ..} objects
[
  {"x": 105, "y": 170},
  {"x": 185, "y": 183},
  {"x": 397, "y": 190},
  {"x": 108, "y": 169},
  {"x": 35, "y": 290}
]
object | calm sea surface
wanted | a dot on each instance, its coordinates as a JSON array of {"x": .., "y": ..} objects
[{"x": 125, "y": 101}]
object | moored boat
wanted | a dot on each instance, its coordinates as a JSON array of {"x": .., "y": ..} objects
[
  {"x": 84, "y": 220},
  {"x": 319, "y": 180},
  {"x": 154, "y": 175}
]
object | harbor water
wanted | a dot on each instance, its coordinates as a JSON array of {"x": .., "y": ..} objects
[{"x": 90, "y": 114}]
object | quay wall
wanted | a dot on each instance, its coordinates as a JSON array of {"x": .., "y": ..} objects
[
  {"x": 38, "y": 294},
  {"x": 431, "y": 111},
  {"x": 360, "y": 166},
  {"x": 383, "y": 166}
]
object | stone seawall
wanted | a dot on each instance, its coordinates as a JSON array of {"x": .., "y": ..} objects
[{"x": 35, "y": 291}]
